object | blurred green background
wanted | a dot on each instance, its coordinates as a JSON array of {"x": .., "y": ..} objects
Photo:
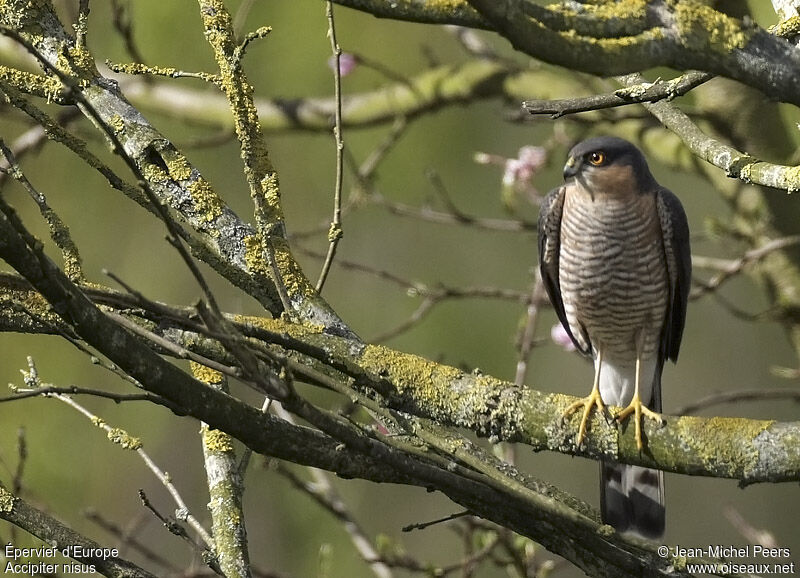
[{"x": 71, "y": 466}]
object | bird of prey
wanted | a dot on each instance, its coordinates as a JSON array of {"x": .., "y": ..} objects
[{"x": 615, "y": 261}]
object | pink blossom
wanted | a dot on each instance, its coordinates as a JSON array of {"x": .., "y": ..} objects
[
  {"x": 560, "y": 337},
  {"x": 347, "y": 63},
  {"x": 519, "y": 171}
]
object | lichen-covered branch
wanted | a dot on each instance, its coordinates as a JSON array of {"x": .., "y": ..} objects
[
  {"x": 169, "y": 175},
  {"x": 225, "y": 489},
  {"x": 457, "y": 12},
  {"x": 750, "y": 451},
  {"x": 403, "y": 381},
  {"x": 622, "y": 37},
  {"x": 269, "y": 248},
  {"x": 735, "y": 163}
]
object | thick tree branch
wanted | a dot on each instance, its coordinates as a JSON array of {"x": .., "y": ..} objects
[
  {"x": 620, "y": 38},
  {"x": 457, "y": 12},
  {"x": 750, "y": 451}
]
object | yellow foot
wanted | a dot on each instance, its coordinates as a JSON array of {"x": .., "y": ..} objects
[
  {"x": 637, "y": 408},
  {"x": 588, "y": 403}
]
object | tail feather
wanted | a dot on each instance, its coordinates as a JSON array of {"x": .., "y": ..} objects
[{"x": 632, "y": 499}]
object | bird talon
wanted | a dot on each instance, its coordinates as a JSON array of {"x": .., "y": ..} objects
[
  {"x": 640, "y": 411},
  {"x": 588, "y": 403}
]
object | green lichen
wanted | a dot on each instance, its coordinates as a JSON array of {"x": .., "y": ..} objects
[
  {"x": 124, "y": 439},
  {"x": 711, "y": 439},
  {"x": 703, "y": 28},
  {"x": 217, "y": 441},
  {"x": 7, "y": 500}
]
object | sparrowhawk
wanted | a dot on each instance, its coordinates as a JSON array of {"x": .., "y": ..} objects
[{"x": 615, "y": 261}]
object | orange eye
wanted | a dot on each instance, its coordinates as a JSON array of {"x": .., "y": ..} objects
[{"x": 597, "y": 158}]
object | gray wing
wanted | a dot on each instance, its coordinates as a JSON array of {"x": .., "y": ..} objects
[
  {"x": 549, "y": 246},
  {"x": 675, "y": 231}
]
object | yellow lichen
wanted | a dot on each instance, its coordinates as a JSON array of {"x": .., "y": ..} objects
[
  {"x": 206, "y": 374},
  {"x": 7, "y": 500},
  {"x": 622, "y": 9},
  {"x": 116, "y": 123},
  {"x": 77, "y": 63},
  {"x": 254, "y": 254},
  {"x": 271, "y": 191},
  {"x": 217, "y": 441},
  {"x": 206, "y": 201},
  {"x": 124, "y": 439},
  {"x": 408, "y": 371},
  {"x": 292, "y": 276},
  {"x": 703, "y": 28},
  {"x": 153, "y": 173},
  {"x": 48, "y": 87},
  {"x": 788, "y": 28},
  {"x": 177, "y": 165},
  {"x": 792, "y": 177}
]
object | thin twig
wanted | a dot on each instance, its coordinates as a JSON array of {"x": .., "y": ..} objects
[
  {"x": 59, "y": 232},
  {"x": 123, "y": 24},
  {"x": 736, "y": 396},
  {"x": 53, "y": 390},
  {"x": 335, "y": 231},
  {"x": 731, "y": 268},
  {"x": 324, "y": 493},
  {"x": 642, "y": 92},
  {"x": 126, "y": 441},
  {"x": 82, "y": 25},
  {"x": 426, "y": 525},
  {"x": 125, "y": 538},
  {"x": 445, "y": 217},
  {"x": 528, "y": 333}
]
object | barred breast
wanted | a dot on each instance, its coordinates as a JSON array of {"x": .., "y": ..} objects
[{"x": 613, "y": 272}]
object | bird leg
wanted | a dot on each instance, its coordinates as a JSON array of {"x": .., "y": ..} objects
[
  {"x": 589, "y": 402},
  {"x": 636, "y": 406}
]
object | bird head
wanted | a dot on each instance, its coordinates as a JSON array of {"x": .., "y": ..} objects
[{"x": 609, "y": 165}]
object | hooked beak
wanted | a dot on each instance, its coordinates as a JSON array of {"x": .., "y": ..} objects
[{"x": 571, "y": 168}]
